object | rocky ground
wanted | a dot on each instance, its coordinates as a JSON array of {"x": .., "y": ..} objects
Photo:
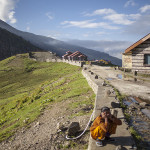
[
  {"x": 138, "y": 117},
  {"x": 44, "y": 133}
]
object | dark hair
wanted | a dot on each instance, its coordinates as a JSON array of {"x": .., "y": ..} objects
[{"x": 105, "y": 109}]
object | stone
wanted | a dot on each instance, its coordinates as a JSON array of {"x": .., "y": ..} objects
[
  {"x": 143, "y": 104},
  {"x": 88, "y": 107},
  {"x": 119, "y": 147},
  {"x": 134, "y": 105},
  {"x": 73, "y": 128},
  {"x": 115, "y": 105},
  {"x": 66, "y": 144},
  {"x": 37, "y": 124},
  {"x": 26, "y": 120},
  {"x": 96, "y": 77},
  {"x": 114, "y": 112},
  {"x": 60, "y": 127},
  {"x": 108, "y": 92},
  {"x": 104, "y": 83}
]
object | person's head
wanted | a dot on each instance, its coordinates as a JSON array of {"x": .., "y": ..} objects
[{"x": 105, "y": 111}]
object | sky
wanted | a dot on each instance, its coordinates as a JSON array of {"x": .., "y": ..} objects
[{"x": 107, "y": 25}]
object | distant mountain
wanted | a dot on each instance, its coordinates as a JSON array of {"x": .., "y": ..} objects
[
  {"x": 59, "y": 47},
  {"x": 11, "y": 44}
]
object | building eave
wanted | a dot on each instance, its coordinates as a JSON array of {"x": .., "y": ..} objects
[{"x": 137, "y": 43}]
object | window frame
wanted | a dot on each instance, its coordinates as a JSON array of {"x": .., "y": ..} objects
[{"x": 146, "y": 64}]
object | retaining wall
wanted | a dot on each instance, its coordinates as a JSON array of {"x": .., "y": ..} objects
[
  {"x": 76, "y": 63},
  {"x": 92, "y": 84}
]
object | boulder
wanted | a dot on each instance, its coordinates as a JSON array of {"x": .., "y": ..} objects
[
  {"x": 115, "y": 105},
  {"x": 73, "y": 128}
]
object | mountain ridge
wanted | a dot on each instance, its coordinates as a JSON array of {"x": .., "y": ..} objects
[
  {"x": 11, "y": 44},
  {"x": 59, "y": 47}
]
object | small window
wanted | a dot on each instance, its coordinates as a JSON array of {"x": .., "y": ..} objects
[{"x": 147, "y": 59}]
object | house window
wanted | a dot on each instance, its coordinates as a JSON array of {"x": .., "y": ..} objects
[{"x": 147, "y": 59}]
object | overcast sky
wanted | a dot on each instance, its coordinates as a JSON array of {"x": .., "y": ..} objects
[{"x": 114, "y": 21}]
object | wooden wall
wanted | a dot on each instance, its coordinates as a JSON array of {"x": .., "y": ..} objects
[{"x": 138, "y": 56}]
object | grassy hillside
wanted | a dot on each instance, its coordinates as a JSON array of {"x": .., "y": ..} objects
[{"x": 27, "y": 87}]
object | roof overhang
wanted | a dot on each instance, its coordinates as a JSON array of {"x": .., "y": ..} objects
[{"x": 137, "y": 43}]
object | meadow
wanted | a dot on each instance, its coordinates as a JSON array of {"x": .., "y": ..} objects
[{"x": 27, "y": 87}]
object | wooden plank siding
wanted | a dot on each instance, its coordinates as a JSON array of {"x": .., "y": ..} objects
[
  {"x": 135, "y": 56},
  {"x": 138, "y": 56}
]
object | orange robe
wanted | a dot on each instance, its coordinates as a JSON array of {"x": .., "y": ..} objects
[{"x": 99, "y": 128}]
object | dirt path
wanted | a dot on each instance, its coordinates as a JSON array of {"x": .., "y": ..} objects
[
  {"x": 125, "y": 85},
  {"x": 42, "y": 134}
]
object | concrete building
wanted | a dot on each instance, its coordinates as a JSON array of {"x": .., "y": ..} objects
[{"x": 137, "y": 56}]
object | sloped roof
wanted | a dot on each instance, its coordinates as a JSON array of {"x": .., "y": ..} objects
[
  {"x": 68, "y": 52},
  {"x": 75, "y": 53},
  {"x": 137, "y": 43}
]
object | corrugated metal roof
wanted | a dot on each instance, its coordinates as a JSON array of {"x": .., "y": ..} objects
[{"x": 137, "y": 43}]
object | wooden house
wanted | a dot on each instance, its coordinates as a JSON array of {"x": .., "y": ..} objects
[
  {"x": 66, "y": 55},
  {"x": 137, "y": 56},
  {"x": 76, "y": 56}
]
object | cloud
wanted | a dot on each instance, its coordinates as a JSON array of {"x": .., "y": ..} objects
[
  {"x": 7, "y": 10},
  {"x": 145, "y": 8},
  {"x": 119, "y": 19},
  {"x": 114, "y": 17},
  {"x": 130, "y": 3},
  {"x": 88, "y": 24},
  {"x": 27, "y": 28},
  {"x": 50, "y": 15},
  {"x": 114, "y": 48},
  {"x": 104, "y": 11},
  {"x": 140, "y": 27}
]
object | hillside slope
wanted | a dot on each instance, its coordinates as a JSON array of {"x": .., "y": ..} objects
[
  {"x": 11, "y": 44},
  {"x": 28, "y": 87},
  {"x": 59, "y": 47}
]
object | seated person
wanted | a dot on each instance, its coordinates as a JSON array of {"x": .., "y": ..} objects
[{"x": 103, "y": 126}]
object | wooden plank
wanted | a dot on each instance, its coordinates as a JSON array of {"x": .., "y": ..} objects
[
  {"x": 140, "y": 67},
  {"x": 134, "y": 62},
  {"x": 143, "y": 45},
  {"x": 137, "y": 60},
  {"x": 141, "y": 51},
  {"x": 137, "y": 57},
  {"x": 141, "y": 48}
]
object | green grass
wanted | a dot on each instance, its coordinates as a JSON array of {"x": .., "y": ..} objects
[
  {"x": 135, "y": 134},
  {"x": 27, "y": 87}
]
